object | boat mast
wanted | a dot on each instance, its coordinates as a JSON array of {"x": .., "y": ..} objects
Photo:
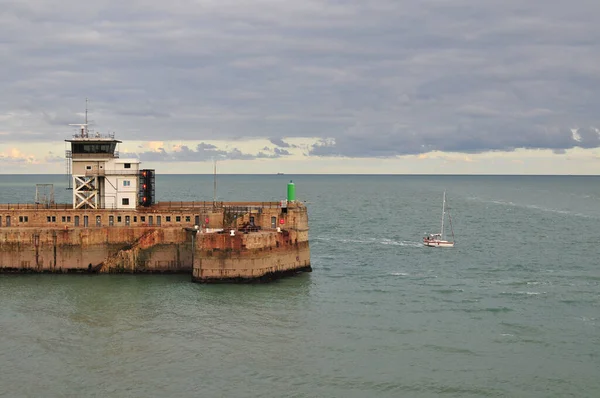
[{"x": 443, "y": 214}]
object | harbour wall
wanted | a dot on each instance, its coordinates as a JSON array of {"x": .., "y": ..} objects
[{"x": 234, "y": 243}]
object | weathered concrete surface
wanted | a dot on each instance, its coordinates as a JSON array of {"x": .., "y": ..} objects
[
  {"x": 255, "y": 255},
  {"x": 104, "y": 249},
  {"x": 256, "y": 251}
]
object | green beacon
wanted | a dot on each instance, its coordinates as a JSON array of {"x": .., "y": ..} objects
[{"x": 291, "y": 192}]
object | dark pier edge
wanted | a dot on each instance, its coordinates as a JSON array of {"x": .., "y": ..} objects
[{"x": 268, "y": 277}]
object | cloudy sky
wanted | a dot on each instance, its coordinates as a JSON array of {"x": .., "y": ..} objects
[{"x": 331, "y": 86}]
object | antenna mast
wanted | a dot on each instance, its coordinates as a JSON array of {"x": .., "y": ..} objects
[{"x": 215, "y": 182}]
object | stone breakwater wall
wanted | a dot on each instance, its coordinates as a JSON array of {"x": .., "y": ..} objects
[{"x": 232, "y": 244}]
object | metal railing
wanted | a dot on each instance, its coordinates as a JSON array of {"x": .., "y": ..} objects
[
  {"x": 103, "y": 172},
  {"x": 170, "y": 205}
]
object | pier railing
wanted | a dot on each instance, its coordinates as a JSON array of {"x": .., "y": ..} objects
[
  {"x": 170, "y": 205},
  {"x": 35, "y": 206}
]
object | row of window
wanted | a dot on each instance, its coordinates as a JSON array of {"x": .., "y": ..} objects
[{"x": 111, "y": 220}]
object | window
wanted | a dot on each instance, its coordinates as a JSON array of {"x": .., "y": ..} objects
[
  {"x": 134, "y": 218},
  {"x": 187, "y": 218},
  {"x": 178, "y": 218},
  {"x": 85, "y": 221},
  {"x": 53, "y": 218},
  {"x": 93, "y": 148},
  {"x": 111, "y": 220},
  {"x": 127, "y": 165},
  {"x": 196, "y": 220},
  {"x": 126, "y": 220},
  {"x": 98, "y": 221},
  {"x": 76, "y": 221},
  {"x": 125, "y": 201},
  {"x": 142, "y": 218},
  {"x": 150, "y": 222},
  {"x": 273, "y": 222},
  {"x": 118, "y": 218},
  {"x": 158, "y": 220},
  {"x": 20, "y": 218},
  {"x": 48, "y": 218},
  {"x": 63, "y": 219},
  {"x": 8, "y": 221},
  {"x": 26, "y": 218},
  {"x": 0, "y": 221},
  {"x": 168, "y": 218},
  {"x": 126, "y": 183},
  {"x": 68, "y": 218},
  {"x": 88, "y": 167}
]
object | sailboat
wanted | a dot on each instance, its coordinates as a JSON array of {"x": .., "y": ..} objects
[{"x": 437, "y": 240}]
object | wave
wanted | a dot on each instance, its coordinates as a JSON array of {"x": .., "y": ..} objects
[
  {"x": 370, "y": 241},
  {"x": 521, "y": 293},
  {"x": 533, "y": 207}
]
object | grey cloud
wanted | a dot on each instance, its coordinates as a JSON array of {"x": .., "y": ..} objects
[
  {"x": 53, "y": 158},
  {"x": 381, "y": 78},
  {"x": 202, "y": 152},
  {"x": 279, "y": 142}
]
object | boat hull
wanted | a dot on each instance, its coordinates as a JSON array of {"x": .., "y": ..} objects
[{"x": 438, "y": 243}]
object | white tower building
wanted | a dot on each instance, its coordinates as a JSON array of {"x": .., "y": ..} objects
[{"x": 101, "y": 180}]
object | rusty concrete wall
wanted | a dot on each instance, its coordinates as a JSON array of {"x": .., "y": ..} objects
[
  {"x": 143, "y": 248},
  {"x": 248, "y": 256},
  {"x": 225, "y": 265},
  {"x": 128, "y": 249}
]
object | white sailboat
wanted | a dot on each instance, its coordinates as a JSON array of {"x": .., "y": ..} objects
[{"x": 437, "y": 240}]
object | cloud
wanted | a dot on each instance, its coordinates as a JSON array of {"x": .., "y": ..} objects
[
  {"x": 53, "y": 158},
  {"x": 203, "y": 152},
  {"x": 15, "y": 155},
  {"x": 371, "y": 79},
  {"x": 279, "y": 142}
]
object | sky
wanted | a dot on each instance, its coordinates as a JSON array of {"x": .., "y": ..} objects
[{"x": 311, "y": 86}]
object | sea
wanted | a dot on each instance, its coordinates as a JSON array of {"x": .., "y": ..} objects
[{"x": 513, "y": 310}]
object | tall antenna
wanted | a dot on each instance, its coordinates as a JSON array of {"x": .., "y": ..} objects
[
  {"x": 86, "y": 111},
  {"x": 215, "y": 182}
]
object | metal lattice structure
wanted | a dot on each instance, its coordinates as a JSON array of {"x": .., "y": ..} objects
[
  {"x": 85, "y": 193},
  {"x": 69, "y": 158},
  {"x": 44, "y": 194}
]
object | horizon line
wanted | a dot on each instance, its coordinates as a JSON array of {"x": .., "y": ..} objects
[{"x": 341, "y": 174}]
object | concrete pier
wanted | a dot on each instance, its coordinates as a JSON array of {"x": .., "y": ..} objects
[{"x": 234, "y": 242}]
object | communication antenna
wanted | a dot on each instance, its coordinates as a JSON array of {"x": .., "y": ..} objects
[
  {"x": 215, "y": 182},
  {"x": 83, "y": 127}
]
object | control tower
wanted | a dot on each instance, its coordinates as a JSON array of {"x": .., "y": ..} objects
[{"x": 101, "y": 180}]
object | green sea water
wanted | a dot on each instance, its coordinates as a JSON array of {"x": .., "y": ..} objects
[{"x": 511, "y": 311}]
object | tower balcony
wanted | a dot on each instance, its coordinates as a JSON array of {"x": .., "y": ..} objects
[{"x": 102, "y": 172}]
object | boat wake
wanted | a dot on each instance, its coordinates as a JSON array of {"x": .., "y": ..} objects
[
  {"x": 370, "y": 241},
  {"x": 533, "y": 207}
]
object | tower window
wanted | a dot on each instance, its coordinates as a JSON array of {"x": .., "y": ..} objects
[
  {"x": 126, "y": 183},
  {"x": 127, "y": 165},
  {"x": 125, "y": 201}
]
